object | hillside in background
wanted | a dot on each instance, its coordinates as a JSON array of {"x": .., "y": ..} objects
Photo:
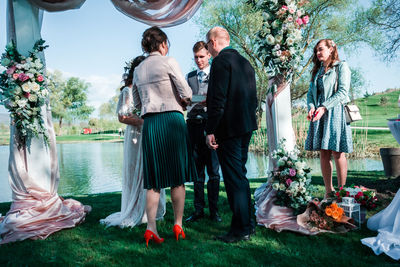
[{"x": 378, "y": 108}]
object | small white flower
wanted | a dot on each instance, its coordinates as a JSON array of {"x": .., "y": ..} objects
[
  {"x": 275, "y": 186},
  {"x": 270, "y": 39},
  {"x": 290, "y": 41},
  {"x": 277, "y": 47},
  {"x": 278, "y": 38},
  {"x": 282, "y": 187},
  {"x": 275, "y": 24}
]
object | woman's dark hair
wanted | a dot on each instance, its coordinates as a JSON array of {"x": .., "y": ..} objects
[
  {"x": 333, "y": 58},
  {"x": 152, "y": 39},
  {"x": 128, "y": 80}
]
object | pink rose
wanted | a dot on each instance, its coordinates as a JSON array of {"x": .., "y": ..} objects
[
  {"x": 289, "y": 181},
  {"x": 290, "y": 18},
  {"x": 306, "y": 19},
  {"x": 40, "y": 78},
  {"x": 285, "y": 7},
  {"x": 299, "y": 21},
  {"x": 292, "y": 172},
  {"x": 23, "y": 77},
  {"x": 15, "y": 76},
  {"x": 11, "y": 70},
  {"x": 291, "y": 11}
]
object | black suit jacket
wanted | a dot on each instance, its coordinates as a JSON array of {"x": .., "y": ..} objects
[{"x": 232, "y": 96}]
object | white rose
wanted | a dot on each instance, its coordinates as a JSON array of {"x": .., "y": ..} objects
[
  {"x": 45, "y": 92},
  {"x": 19, "y": 66},
  {"x": 298, "y": 165},
  {"x": 278, "y": 38},
  {"x": 26, "y": 87},
  {"x": 22, "y": 103},
  {"x": 300, "y": 172},
  {"x": 282, "y": 187},
  {"x": 33, "y": 98},
  {"x": 35, "y": 87},
  {"x": 30, "y": 75}
]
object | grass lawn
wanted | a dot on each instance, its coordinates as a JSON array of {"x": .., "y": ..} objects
[
  {"x": 91, "y": 244},
  {"x": 88, "y": 138}
]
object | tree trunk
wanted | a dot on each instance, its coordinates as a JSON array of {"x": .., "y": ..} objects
[{"x": 60, "y": 125}]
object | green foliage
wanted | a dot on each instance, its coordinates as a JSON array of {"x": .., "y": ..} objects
[
  {"x": 384, "y": 16},
  {"x": 68, "y": 98},
  {"x": 91, "y": 244},
  {"x": 383, "y": 101}
]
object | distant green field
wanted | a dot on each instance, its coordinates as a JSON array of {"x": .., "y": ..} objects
[{"x": 376, "y": 115}]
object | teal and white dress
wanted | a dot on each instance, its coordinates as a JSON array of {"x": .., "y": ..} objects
[{"x": 331, "y": 132}]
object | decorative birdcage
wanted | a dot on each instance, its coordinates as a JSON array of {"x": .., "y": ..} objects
[{"x": 351, "y": 208}]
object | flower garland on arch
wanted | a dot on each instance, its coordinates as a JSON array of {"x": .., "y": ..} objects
[
  {"x": 279, "y": 41},
  {"x": 23, "y": 91}
]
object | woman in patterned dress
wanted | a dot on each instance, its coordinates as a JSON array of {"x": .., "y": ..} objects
[{"x": 328, "y": 132}]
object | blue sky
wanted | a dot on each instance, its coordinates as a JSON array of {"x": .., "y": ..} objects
[{"x": 95, "y": 41}]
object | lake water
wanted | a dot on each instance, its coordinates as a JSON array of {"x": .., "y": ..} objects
[{"x": 87, "y": 168}]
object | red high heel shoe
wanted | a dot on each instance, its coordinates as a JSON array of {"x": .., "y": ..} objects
[
  {"x": 178, "y": 231},
  {"x": 149, "y": 235}
]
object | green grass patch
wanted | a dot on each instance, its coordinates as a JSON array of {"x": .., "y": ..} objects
[
  {"x": 374, "y": 113},
  {"x": 92, "y": 244}
]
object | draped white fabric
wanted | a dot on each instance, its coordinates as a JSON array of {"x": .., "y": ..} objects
[
  {"x": 133, "y": 203},
  {"x": 57, "y": 5},
  {"x": 164, "y": 13},
  {"x": 387, "y": 223}
]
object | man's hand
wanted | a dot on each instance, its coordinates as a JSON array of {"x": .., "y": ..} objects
[{"x": 211, "y": 142}]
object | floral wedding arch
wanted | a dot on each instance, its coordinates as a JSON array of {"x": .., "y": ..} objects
[{"x": 37, "y": 211}]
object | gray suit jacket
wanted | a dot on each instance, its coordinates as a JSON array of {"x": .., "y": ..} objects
[
  {"x": 159, "y": 85},
  {"x": 193, "y": 82}
]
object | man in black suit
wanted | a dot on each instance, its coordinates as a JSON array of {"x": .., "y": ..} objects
[
  {"x": 196, "y": 123},
  {"x": 231, "y": 110}
]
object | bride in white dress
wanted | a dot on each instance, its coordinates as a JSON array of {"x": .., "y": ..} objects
[
  {"x": 387, "y": 223},
  {"x": 133, "y": 203}
]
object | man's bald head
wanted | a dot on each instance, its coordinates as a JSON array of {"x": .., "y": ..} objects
[{"x": 217, "y": 39}]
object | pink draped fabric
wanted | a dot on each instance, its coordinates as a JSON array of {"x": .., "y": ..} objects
[
  {"x": 37, "y": 211},
  {"x": 164, "y": 13},
  {"x": 273, "y": 216}
]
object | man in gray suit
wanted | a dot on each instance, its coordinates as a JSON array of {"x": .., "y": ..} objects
[{"x": 196, "y": 121}]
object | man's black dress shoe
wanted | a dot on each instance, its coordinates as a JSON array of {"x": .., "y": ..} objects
[
  {"x": 194, "y": 217},
  {"x": 231, "y": 238},
  {"x": 215, "y": 217}
]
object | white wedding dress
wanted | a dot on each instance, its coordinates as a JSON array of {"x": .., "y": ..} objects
[
  {"x": 387, "y": 223},
  {"x": 133, "y": 202}
]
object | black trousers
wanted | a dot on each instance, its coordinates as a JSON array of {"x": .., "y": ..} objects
[
  {"x": 232, "y": 154},
  {"x": 204, "y": 158}
]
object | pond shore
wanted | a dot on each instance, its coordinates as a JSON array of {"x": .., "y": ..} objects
[{"x": 92, "y": 244}]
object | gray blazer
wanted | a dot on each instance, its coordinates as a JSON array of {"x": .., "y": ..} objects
[{"x": 159, "y": 85}]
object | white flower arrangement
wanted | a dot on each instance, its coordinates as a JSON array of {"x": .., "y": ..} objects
[
  {"x": 283, "y": 21},
  {"x": 23, "y": 90},
  {"x": 291, "y": 179}
]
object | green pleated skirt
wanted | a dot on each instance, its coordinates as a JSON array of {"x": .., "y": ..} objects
[{"x": 167, "y": 157}]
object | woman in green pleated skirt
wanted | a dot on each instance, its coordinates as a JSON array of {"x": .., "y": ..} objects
[
  {"x": 161, "y": 92},
  {"x": 167, "y": 161}
]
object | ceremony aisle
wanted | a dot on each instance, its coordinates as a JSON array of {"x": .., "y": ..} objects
[{"x": 92, "y": 244}]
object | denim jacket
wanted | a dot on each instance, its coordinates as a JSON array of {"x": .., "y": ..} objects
[{"x": 332, "y": 99}]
